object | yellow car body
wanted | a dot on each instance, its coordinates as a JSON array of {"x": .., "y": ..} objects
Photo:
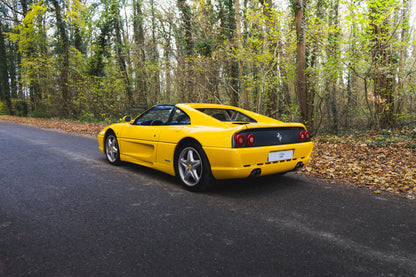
[{"x": 156, "y": 146}]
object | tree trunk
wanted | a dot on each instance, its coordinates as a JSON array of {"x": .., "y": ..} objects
[
  {"x": 64, "y": 43},
  {"x": 155, "y": 55},
  {"x": 4, "y": 73},
  {"x": 403, "y": 55},
  {"x": 138, "y": 29},
  {"x": 333, "y": 53},
  {"x": 301, "y": 82},
  {"x": 228, "y": 25},
  {"x": 244, "y": 96},
  {"x": 271, "y": 89},
  {"x": 13, "y": 70},
  {"x": 383, "y": 75},
  {"x": 187, "y": 86},
  {"x": 120, "y": 51}
]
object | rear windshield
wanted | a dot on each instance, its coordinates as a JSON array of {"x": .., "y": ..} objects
[{"x": 228, "y": 115}]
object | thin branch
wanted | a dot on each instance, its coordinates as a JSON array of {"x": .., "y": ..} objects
[
  {"x": 13, "y": 9},
  {"x": 7, "y": 18}
]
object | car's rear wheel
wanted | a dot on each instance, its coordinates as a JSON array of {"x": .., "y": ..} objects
[
  {"x": 192, "y": 168},
  {"x": 112, "y": 151}
]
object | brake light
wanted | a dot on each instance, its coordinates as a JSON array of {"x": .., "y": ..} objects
[
  {"x": 239, "y": 139},
  {"x": 307, "y": 135},
  {"x": 302, "y": 135},
  {"x": 251, "y": 139}
]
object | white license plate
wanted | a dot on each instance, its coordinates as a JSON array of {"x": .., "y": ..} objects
[{"x": 280, "y": 155}]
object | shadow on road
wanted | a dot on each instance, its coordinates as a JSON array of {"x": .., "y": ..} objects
[
  {"x": 253, "y": 187},
  {"x": 262, "y": 184}
]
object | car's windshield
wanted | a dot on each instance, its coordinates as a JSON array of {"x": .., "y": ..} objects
[
  {"x": 158, "y": 115},
  {"x": 227, "y": 115},
  {"x": 163, "y": 115}
]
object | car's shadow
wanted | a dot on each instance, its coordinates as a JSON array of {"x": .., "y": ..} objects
[
  {"x": 256, "y": 186},
  {"x": 145, "y": 171},
  {"x": 229, "y": 187}
]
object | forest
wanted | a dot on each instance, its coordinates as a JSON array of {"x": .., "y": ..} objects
[{"x": 332, "y": 64}]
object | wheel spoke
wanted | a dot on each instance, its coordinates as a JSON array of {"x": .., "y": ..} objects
[
  {"x": 194, "y": 175},
  {"x": 196, "y": 164},
  {"x": 190, "y": 156},
  {"x": 184, "y": 163},
  {"x": 187, "y": 174}
]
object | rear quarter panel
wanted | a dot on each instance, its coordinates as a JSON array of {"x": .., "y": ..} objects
[{"x": 171, "y": 136}]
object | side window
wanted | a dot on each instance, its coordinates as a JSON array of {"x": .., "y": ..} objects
[
  {"x": 227, "y": 115},
  {"x": 221, "y": 115},
  {"x": 159, "y": 115},
  {"x": 180, "y": 118}
]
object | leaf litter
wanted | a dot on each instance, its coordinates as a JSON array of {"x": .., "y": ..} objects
[
  {"x": 383, "y": 161},
  {"x": 72, "y": 127}
]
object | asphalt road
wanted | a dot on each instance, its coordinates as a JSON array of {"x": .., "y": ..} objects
[{"x": 64, "y": 211}]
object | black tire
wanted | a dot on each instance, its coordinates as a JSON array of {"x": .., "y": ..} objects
[
  {"x": 112, "y": 150},
  {"x": 192, "y": 168}
]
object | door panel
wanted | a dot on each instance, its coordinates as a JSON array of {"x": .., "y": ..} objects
[
  {"x": 139, "y": 142},
  {"x": 139, "y": 139}
]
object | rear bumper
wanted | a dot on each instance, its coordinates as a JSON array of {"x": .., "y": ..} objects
[{"x": 229, "y": 163}]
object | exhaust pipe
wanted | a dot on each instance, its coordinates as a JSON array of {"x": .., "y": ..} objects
[
  {"x": 299, "y": 165},
  {"x": 255, "y": 172}
]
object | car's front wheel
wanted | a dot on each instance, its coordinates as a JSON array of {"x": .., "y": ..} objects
[
  {"x": 193, "y": 169},
  {"x": 112, "y": 151}
]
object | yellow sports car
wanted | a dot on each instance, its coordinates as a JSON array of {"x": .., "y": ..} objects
[{"x": 200, "y": 142}]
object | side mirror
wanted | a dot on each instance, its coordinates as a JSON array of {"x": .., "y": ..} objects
[{"x": 127, "y": 119}]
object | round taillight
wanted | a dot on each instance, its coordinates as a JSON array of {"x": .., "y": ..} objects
[
  {"x": 251, "y": 139},
  {"x": 239, "y": 139},
  {"x": 307, "y": 135},
  {"x": 302, "y": 135}
]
